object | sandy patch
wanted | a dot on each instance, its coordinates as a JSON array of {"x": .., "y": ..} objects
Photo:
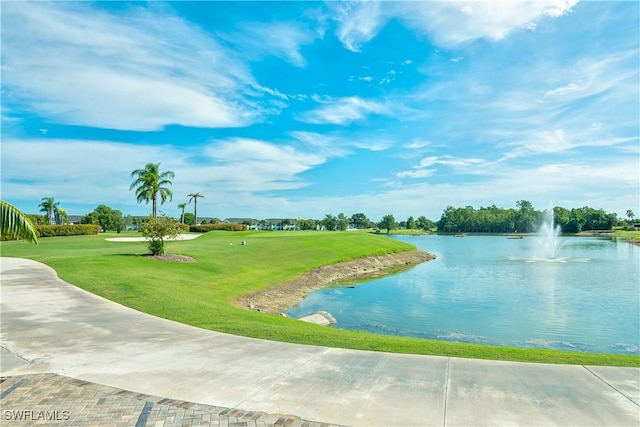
[
  {"x": 173, "y": 258},
  {"x": 279, "y": 298},
  {"x": 142, "y": 239}
]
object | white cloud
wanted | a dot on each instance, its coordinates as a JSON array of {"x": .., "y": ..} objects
[
  {"x": 257, "y": 164},
  {"x": 450, "y": 161},
  {"x": 281, "y": 39},
  {"x": 454, "y": 22},
  {"x": 559, "y": 141},
  {"x": 417, "y": 144},
  {"x": 358, "y": 22},
  {"x": 342, "y": 111},
  {"x": 418, "y": 173},
  {"x": 461, "y": 166},
  {"x": 143, "y": 70},
  {"x": 569, "y": 89},
  {"x": 334, "y": 145},
  {"x": 89, "y": 172},
  {"x": 448, "y": 22}
]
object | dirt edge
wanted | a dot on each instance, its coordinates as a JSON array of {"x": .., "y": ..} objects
[{"x": 279, "y": 298}]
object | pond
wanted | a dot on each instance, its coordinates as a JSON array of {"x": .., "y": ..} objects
[{"x": 497, "y": 290}]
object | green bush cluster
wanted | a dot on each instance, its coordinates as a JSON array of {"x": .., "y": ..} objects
[
  {"x": 184, "y": 227},
  {"x": 203, "y": 228},
  {"x": 67, "y": 230}
]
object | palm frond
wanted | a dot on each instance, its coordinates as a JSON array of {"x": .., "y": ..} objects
[{"x": 15, "y": 224}]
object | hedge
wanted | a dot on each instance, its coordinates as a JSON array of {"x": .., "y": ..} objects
[
  {"x": 203, "y": 228},
  {"x": 67, "y": 230}
]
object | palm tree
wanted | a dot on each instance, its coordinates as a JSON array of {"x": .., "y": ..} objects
[
  {"x": 194, "y": 197},
  {"x": 15, "y": 224},
  {"x": 49, "y": 207},
  {"x": 182, "y": 206},
  {"x": 61, "y": 216},
  {"x": 630, "y": 215},
  {"x": 149, "y": 183}
]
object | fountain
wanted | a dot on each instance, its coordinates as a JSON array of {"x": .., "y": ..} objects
[{"x": 549, "y": 236}]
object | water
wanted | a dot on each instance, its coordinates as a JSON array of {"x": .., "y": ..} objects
[{"x": 494, "y": 290}]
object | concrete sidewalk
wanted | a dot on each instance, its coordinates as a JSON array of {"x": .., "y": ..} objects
[{"x": 49, "y": 326}]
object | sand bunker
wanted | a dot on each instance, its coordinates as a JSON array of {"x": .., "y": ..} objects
[{"x": 142, "y": 239}]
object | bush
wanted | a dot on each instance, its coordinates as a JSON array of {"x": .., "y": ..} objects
[
  {"x": 184, "y": 227},
  {"x": 67, "y": 230},
  {"x": 158, "y": 229},
  {"x": 203, "y": 228},
  {"x": 156, "y": 247}
]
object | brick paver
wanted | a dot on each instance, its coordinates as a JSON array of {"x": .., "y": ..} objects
[{"x": 56, "y": 400}]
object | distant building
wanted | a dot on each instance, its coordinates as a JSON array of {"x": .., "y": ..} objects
[
  {"x": 276, "y": 224},
  {"x": 251, "y": 223},
  {"x": 74, "y": 219}
]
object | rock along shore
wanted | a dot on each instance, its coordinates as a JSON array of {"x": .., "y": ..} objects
[{"x": 279, "y": 298}]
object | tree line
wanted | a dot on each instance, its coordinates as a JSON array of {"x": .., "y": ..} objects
[{"x": 524, "y": 218}]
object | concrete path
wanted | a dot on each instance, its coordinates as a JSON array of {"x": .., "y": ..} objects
[{"x": 49, "y": 326}]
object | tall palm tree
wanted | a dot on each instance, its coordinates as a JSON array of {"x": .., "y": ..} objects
[
  {"x": 194, "y": 197},
  {"x": 182, "y": 206},
  {"x": 630, "y": 215},
  {"x": 15, "y": 224},
  {"x": 150, "y": 183},
  {"x": 49, "y": 206}
]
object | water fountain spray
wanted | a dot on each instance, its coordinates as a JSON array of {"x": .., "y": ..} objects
[{"x": 549, "y": 235}]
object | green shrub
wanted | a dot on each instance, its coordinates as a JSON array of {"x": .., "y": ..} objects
[
  {"x": 184, "y": 227},
  {"x": 156, "y": 247},
  {"x": 67, "y": 230},
  {"x": 158, "y": 229},
  {"x": 203, "y": 228}
]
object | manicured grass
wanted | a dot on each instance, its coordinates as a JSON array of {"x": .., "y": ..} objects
[
  {"x": 202, "y": 293},
  {"x": 627, "y": 235}
]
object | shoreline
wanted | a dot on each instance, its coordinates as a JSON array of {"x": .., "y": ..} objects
[{"x": 279, "y": 298}]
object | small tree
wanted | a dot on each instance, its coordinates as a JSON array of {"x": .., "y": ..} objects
[
  {"x": 329, "y": 222},
  {"x": 157, "y": 229},
  {"x": 189, "y": 218},
  {"x": 342, "y": 222},
  {"x": 388, "y": 223},
  {"x": 423, "y": 223},
  {"x": 360, "y": 220},
  {"x": 411, "y": 223}
]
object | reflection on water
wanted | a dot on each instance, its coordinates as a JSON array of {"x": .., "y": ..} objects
[
  {"x": 562, "y": 260},
  {"x": 494, "y": 290}
]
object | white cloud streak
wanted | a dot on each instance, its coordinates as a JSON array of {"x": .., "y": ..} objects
[
  {"x": 143, "y": 70},
  {"x": 342, "y": 111},
  {"x": 447, "y": 22},
  {"x": 358, "y": 22},
  {"x": 452, "y": 22},
  {"x": 281, "y": 39}
]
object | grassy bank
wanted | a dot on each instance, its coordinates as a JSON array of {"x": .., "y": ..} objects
[
  {"x": 631, "y": 236},
  {"x": 203, "y": 293}
]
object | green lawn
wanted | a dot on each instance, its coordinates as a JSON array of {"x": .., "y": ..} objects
[
  {"x": 202, "y": 293},
  {"x": 627, "y": 235}
]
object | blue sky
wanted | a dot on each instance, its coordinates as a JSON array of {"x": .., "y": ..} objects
[{"x": 299, "y": 109}]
